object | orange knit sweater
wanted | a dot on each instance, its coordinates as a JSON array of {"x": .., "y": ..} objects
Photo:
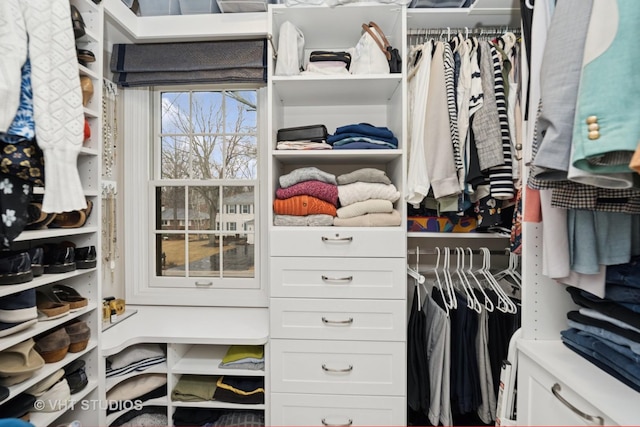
[{"x": 303, "y": 205}]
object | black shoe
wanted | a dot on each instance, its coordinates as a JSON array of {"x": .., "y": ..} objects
[
  {"x": 86, "y": 257},
  {"x": 15, "y": 268},
  {"x": 36, "y": 255},
  {"x": 58, "y": 259},
  {"x": 77, "y": 22}
]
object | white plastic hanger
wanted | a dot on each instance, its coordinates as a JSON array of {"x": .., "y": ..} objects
[
  {"x": 439, "y": 283},
  {"x": 472, "y": 300},
  {"x": 509, "y": 305},
  {"x": 488, "y": 304},
  {"x": 453, "y": 301}
]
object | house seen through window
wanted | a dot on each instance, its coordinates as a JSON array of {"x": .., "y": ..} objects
[{"x": 206, "y": 184}]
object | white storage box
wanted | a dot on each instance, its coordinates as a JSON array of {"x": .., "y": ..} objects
[
  {"x": 235, "y": 6},
  {"x": 192, "y": 7},
  {"x": 159, "y": 7}
]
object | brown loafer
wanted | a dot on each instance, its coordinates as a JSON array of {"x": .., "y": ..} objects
[
  {"x": 53, "y": 346},
  {"x": 79, "y": 334}
]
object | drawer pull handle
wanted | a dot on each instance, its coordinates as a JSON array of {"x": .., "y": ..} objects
[
  {"x": 204, "y": 284},
  {"x": 325, "y": 423},
  {"x": 337, "y": 322},
  {"x": 556, "y": 389},
  {"x": 337, "y": 239},
  {"x": 325, "y": 368},
  {"x": 337, "y": 279}
]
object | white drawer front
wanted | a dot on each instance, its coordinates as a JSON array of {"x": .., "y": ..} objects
[
  {"x": 338, "y": 367},
  {"x": 373, "y": 320},
  {"x": 322, "y": 410},
  {"x": 338, "y": 241},
  {"x": 382, "y": 278}
]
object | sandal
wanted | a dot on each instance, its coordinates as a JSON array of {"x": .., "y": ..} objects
[
  {"x": 67, "y": 294},
  {"x": 21, "y": 359},
  {"x": 49, "y": 308},
  {"x": 73, "y": 219}
]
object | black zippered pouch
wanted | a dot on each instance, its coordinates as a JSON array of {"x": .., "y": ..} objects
[
  {"x": 314, "y": 133},
  {"x": 323, "y": 55}
]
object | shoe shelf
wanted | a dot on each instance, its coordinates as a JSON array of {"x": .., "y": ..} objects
[
  {"x": 42, "y": 419},
  {"x": 86, "y": 71},
  {"x": 57, "y": 232},
  {"x": 50, "y": 368},
  {"x": 45, "y": 279},
  {"x": 43, "y": 326}
]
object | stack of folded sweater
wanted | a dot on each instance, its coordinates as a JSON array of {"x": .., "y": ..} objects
[
  {"x": 243, "y": 357},
  {"x": 307, "y": 196},
  {"x": 366, "y": 198},
  {"x": 362, "y": 136},
  {"x": 245, "y": 390}
]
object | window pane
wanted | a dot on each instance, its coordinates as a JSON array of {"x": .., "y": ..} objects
[
  {"x": 241, "y": 157},
  {"x": 204, "y": 204},
  {"x": 208, "y": 159},
  {"x": 232, "y": 218},
  {"x": 175, "y": 112},
  {"x": 204, "y": 259},
  {"x": 174, "y": 163},
  {"x": 170, "y": 208},
  {"x": 238, "y": 256},
  {"x": 241, "y": 112},
  {"x": 207, "y": 112},
  {"x": 170, "y": 255}
]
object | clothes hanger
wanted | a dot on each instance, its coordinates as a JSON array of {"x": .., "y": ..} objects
[
  {"x": 473, "y": 302},
  {"x": 488, "y": 304},
  {"x": 453, "y": 301},
  {"x": 439, "y": 283},
  {"x": 510, "y": 305},
  {"x": 502, "y": 305}
]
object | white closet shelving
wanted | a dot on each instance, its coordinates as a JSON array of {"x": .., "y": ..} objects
[{"x": 86, "y": 282}]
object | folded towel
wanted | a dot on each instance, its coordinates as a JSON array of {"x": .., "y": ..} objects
[
  {"x": 317, "y": 220},
  {"x": 239, "y": 352},
  {"x": 319, "y": 189},
  {"x": 303, "y": 205},
  {"x": 360, "y": 191},
  {"x": 370, "y": 220},
  {"x": 365, "y": 207},
  {"x": 364, "y": 175},
  {"x": 306, "y": 174},
  {"x": 194, "y": 388}
]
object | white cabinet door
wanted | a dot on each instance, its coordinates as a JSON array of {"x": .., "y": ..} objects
[
  {"x": 338, "y": 367},
  {"x": 372, "y": 320},
  {"x": 371, "y": 278},
  {"x": 324, "y": 410}
]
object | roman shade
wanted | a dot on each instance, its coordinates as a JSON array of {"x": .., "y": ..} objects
[{"x": 225, "y": 61}]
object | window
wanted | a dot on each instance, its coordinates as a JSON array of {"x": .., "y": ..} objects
[
  {"x": 206, "y": 166},
  {"x": 245, "y": 209},
  {"x": 203, "y": 155}
]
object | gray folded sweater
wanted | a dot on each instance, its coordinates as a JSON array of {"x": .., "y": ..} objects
[
  {"x": 364, "y": 175},
  {"x": 306, "y": 174}
]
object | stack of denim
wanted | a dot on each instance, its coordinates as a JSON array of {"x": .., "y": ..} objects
[{"x": 606, "y": 331}]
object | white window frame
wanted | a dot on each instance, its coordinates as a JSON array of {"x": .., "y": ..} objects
[{"x": 139, "y": 235}]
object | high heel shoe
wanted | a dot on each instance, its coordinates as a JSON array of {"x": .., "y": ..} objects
[{"x": 87, "y": 89}]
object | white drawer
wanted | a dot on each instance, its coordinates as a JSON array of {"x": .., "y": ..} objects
[
  {"x": 373, "y": 320},
  {"x": 326, "y": 410},
  {"x": 338, "y": 367},
  {"x": 548, "y": 401},
  {"x": 383, "y": 278},
  {"x": 338, "y": 241}
]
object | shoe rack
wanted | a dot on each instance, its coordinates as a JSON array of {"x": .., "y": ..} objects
[{"x": 81, "y": 286}]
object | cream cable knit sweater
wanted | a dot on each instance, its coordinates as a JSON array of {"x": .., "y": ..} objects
[
  {"x": 13, "y": 51},
  {"x": 57, "y": 100},
  {"x": 360, "y": 191}
]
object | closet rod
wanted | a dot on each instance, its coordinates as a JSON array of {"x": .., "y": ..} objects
[{"x": 505, "y": 251}]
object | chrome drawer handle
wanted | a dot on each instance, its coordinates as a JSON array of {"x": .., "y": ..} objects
[
  {"x": 337, "y": 322},
  {"x": 337, "y": 279},
  {"x": 337, "y": 239},
  {"x": 204, "y": 284},
  {"x": 325, "y": 368},
  {"x": 556, "y": 389},
  {"x": 325, "y": 423}
]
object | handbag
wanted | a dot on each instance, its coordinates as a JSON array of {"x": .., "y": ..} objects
[
  {"x": 290, "y": 58},
  {"x": 323, "y": 55},
  {"x": 369, "y": 56},
  {"x": 392, "y": 54}
]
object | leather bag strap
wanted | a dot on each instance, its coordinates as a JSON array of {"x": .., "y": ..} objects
[{"x": 379, "y": 42}]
